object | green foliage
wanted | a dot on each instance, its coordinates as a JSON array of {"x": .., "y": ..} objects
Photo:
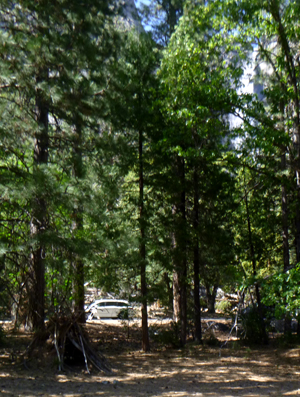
[
  {"x": 287, "y": 341},
  {"x": 224, "y": 306},
  {"x": 51, "y": 80},
  {"x": 281, "y": 290},
  {"x": 203, "y": 303},
  {"x": 251, "y": 326},
  {"x": 108, "y": 96}
]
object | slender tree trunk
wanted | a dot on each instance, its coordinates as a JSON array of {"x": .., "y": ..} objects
[
  {"x": 36, "y": 315},
  {"x": 145, "y": 333},
  {"x": 172, "y": 18},
  {"x": 179, "y": 256},
  {"x": 183, "y": 303},
  {"x": 291, "y": 65},
  {"x": 197, "y": 307},
  {"x": 176, "y": 289},
  {"x": 180, "y": 260},
  {"x": 257, "y": 292},
  {"x": 78, "y": 225},
  {"x": 297, "y": 225},
  {"x": 176, "y": 297},
  {"x": 168, "y": 283},
  {"x": 296, "y": 144},
  {"x": 211, "y": 298},
  {"x": 183, "y": 267},
  {"x": 285, "y": 236},
  {"x": 79, "y": 297}
]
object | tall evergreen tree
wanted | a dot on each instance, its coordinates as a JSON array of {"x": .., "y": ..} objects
[
  {"x": 134, "y": 106},
  {"x": 50, "y": 72}
]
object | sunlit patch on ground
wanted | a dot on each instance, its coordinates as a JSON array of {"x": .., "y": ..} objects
[{"x": 164, "y": 372}]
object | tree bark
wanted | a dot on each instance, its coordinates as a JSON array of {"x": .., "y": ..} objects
[
  {"x": 176, "y": 288},
  {"x": 211, "y": 298},
  {"x": 285, "y": 237},
  {"x": 168, "y": 283},
  {"x": 291, "y": 66},
  {"x": 176, "y": 297},
  {"x": 257, "y": 292},
  {"x": 145, "y": 332},
  {"x": 197, "y": 307},
  {"x": 36, "y": 293},
  {"x": 179, "y": 256},
  {"x": 183, "y": 264},
  {"x": 78, "y": 225}
]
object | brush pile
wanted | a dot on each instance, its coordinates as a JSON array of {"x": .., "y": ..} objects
[{"x": 71, "y": 344}]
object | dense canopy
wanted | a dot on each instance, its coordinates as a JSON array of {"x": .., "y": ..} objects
[{"x": 156, "y": 164}]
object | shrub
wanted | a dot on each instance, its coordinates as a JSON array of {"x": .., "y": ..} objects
[
  {"x": 210, "y": 339},
  {"x": 166, "y": 336},
  {"x": 223, "y": 306},
  {"x": 252, "y": 330}
]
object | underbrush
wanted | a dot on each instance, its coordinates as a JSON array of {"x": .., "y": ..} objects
[
  {"x": 288, "y": 341},
  {"x": 167, "y": 335}
]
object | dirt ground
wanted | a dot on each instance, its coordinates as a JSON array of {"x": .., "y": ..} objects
[{"x": 206, "y": 370}]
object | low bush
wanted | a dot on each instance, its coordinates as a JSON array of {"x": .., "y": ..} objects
[
  {"x": 252, "y": 328},
  {"x": 166, "y": 336},
  {"x": 223, "y": 306}
]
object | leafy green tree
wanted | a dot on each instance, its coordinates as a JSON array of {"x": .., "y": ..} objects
[
  {"x": 199, "y": 90},
  {"x": 272, "y": 29},
  {"x": 132, "y": 102}
]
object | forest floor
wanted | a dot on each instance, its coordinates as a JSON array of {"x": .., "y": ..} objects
[{"x": 206, "y": 370}]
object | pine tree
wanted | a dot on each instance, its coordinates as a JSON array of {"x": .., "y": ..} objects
[
  {"x": 135, "y": 112},
  {"x": 51, "y": 79}
]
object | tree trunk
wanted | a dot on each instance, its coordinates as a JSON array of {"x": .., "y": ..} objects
[
  {"x": 172, "y": 18},
  {"x": 145, "y": 333},
  {"x": 257, "y": 292},
  {"x": 179, "y": 255},
  {"x": 297, "y": 175},
  {"x": 174, "y": 11},
  {"x": 78, "y": 225},
  {"x": 297, "y": 225},
  {"x": 197, "y": 308},
  {"x": 292, "y": 66},
  {"x": 211, "y": 298},
  {"x": 285, "y": 238},
  {"x": 36, "y": 309},
  {"x": 176, "y": 289},
  {"x": 176, "y": 297},
  {"x": 183, "y": 265},
  {"x": 168, "y": 283},
  {"x": 183, "y": 303}
]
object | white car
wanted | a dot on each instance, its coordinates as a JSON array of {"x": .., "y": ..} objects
[{"x": 108, "y": 308}]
